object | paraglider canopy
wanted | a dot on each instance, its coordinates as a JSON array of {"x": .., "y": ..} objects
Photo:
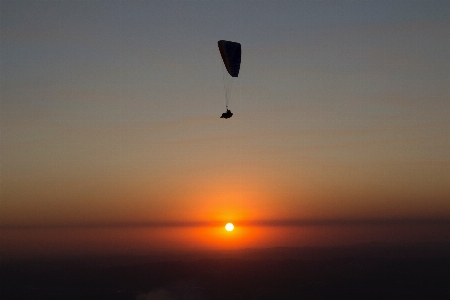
[{"x": 231, "y": 56}]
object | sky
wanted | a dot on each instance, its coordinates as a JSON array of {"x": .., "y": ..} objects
[{"x": 111, "y": 139}]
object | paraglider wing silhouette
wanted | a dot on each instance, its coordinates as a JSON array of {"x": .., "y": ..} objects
[{"x": 231, "y": 56}]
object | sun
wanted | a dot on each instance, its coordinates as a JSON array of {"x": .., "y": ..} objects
[{"x": 229, "y": 227}]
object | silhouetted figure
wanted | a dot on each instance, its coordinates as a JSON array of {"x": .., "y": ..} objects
[{"x": 227, "y": 115}]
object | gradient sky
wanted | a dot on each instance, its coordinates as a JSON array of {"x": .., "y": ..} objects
[{"x": 110, "y": 123}]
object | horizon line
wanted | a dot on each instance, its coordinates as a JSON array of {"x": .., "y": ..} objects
[{"x": 246, "y": 223}]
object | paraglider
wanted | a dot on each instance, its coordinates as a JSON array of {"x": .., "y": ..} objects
[
  {"x": 227, "y": 115},
  {"x": 231, "y": 56}
]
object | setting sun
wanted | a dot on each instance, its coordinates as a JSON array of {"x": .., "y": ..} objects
[{"x": 229, "y": 227}]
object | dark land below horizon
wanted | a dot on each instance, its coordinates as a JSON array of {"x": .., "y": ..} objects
[{"x": 371, "y": 271}]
